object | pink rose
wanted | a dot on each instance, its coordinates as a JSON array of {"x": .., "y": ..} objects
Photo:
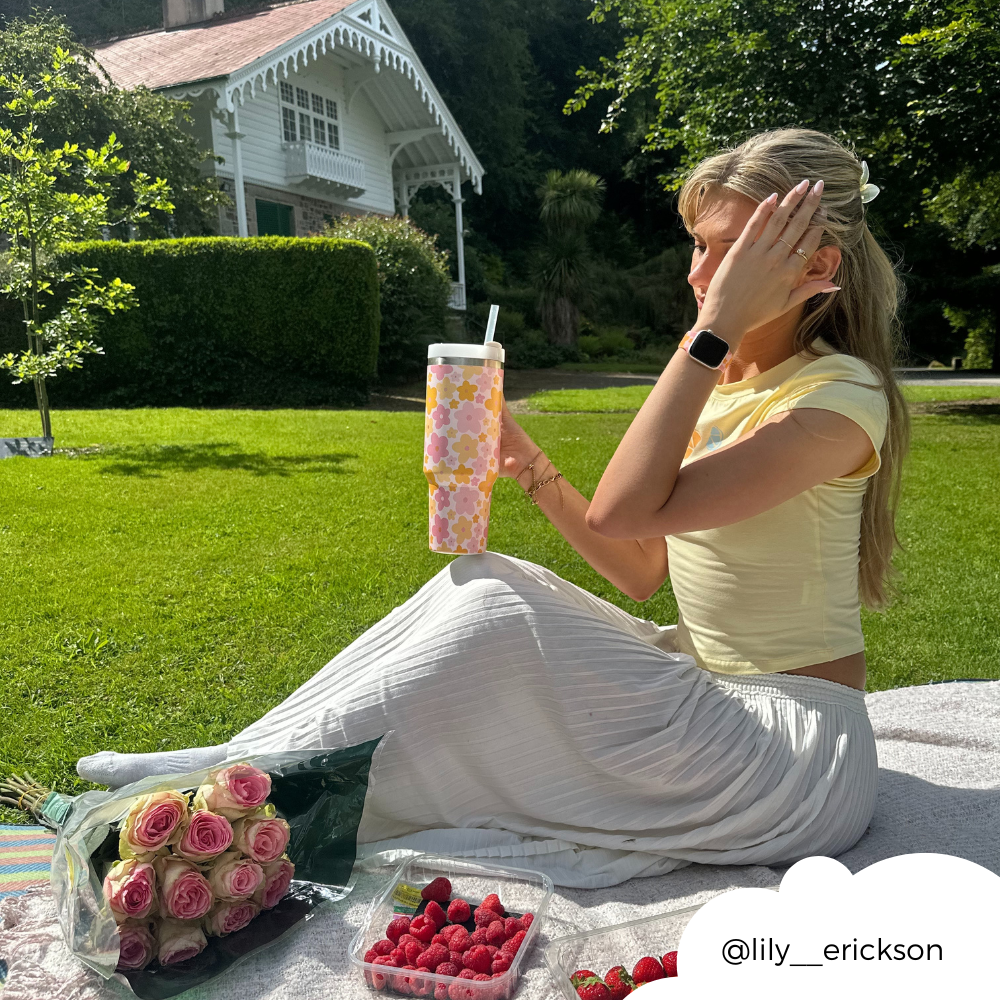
[
  {"x": 233, "y": 877},
  {"x": 179, "y": 940},
  {"x": 130, "y": 889},
  {"x": 226, "y": 918},
  {"x": 205, "y": 836},
  {"x": 151, "y": 823},
  {"x": 234, "y": 790},
  {"x": 136, "y": 945},
  {"x": 277, "y": 878},
  {"x": 262, "y": 838},
  {"x": 184, "y": 892}
]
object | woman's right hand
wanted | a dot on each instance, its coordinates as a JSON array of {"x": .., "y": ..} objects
[{"x": 517, "y": 450}]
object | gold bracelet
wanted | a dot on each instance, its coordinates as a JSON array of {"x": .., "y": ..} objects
[{"x": 535, "y": 487}]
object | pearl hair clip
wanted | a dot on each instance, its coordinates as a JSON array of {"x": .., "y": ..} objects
[{"x": 869, "y": 192}]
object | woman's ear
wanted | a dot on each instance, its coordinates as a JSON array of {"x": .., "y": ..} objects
[{"x": 822, "y": 265}]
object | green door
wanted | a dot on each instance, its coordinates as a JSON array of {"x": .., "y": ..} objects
[{"x": 274, "y": 219}]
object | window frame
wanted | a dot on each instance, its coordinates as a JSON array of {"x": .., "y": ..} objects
[{"x": 290, "y": 101}]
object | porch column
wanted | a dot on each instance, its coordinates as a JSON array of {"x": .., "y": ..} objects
[
  {"x": 235, "y": 135},
  {"x": 460, "y": 232}
]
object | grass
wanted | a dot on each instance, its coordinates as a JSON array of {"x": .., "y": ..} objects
[
  {"x": 627, "y": 399},
  {"x": 165, "y": 588}
]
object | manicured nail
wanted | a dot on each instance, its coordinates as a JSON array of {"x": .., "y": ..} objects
[
  {"x": 826, "y": 291},
  {"x": 771, "y": 198},
  {"x": 802, "y": 185},
  {"x": 818, "y": 188}
]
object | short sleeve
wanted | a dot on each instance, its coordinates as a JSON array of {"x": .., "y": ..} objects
[{"x": 847, "y": 386}]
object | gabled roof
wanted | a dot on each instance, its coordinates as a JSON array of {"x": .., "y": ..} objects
[{"x": 211, "y": 49}]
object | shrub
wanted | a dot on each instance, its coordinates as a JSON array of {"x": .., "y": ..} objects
[
  {"x": 222, "y": 321},
  {"x": 414, "y": 288}
]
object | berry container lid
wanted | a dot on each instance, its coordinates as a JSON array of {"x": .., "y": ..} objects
[
  {"x": 618, "y": 944},
  {"x": 520, "y": 892}
]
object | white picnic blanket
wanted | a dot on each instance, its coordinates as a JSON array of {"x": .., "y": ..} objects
[{"x": 939, "y": 791}]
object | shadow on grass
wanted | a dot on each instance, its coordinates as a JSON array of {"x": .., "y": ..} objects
[
  {"x": 960, "y": 408},
  {"x": 152, "y": 462}
]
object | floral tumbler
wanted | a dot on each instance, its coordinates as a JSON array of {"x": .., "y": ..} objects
[{"x": 462, "y": 442}]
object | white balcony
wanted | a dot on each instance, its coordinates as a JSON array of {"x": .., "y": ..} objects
[
  {"x": 305, "y": 161},
  {"x": 457, "y": 300}
]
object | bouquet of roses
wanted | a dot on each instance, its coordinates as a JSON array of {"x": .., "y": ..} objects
[{"x": 194, "y": 867}]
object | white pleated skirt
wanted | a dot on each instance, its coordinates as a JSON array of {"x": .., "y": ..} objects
[{"x": 532, "y": 720}]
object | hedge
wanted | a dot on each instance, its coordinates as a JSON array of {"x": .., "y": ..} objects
[{"x": 222, "y": 321}]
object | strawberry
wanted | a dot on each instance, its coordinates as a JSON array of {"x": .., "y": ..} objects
[
  {"x": 434, "y": 912},
  {"x": 495, "y": 933},
  {"x": 459, "y": 911},
  {"x": 439, "y": 890},
  {"x": 510, "y": 946},
  {"x": 512, "y": 925},
  {"x": 433, "y": 957},
  {"x": 484, "y": 916},
  {"x": 398, "y": 926},
  {"x": 619, "y": 982},
  {"x": 647, "y": 970},
  {"x": 423, "y": 928},
  {"x": 383, "y": 947},
  {"x": 580, "y": 975},
  {"x": 478, "y": 959},
  {"x": 492, "y": 902},
  {"x": 670, "y": 964},
  {"x": 501, "y": 963},
  {"x": 593, "y": 989},
  {"x": 448, "y": 968}
]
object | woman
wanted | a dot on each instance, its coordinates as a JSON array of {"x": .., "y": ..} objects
[{"x": 533, "y": 720}]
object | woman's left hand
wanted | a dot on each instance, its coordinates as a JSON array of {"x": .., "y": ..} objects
[{"x": 760, "y": 278}]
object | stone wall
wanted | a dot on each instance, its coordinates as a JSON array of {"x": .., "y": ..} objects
[{"x": 310, "y": 214}]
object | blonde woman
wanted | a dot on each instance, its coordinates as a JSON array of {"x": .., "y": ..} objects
[{"x": 533, "y": 720}]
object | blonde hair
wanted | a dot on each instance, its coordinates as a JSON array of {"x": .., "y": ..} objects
[{"x": 860, "y": 320}]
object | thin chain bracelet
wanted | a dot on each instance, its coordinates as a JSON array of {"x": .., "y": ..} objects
[{"x": 535, "y": 487}]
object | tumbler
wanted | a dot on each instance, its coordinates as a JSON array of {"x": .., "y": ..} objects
[{"x": 462, "y": 442}]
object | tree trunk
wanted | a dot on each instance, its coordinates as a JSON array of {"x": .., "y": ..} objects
[
  {"x": 561, "y": 320},
  {"x": 42, "y": 395}
]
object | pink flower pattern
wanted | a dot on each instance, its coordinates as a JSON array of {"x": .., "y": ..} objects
[{"x": 461, "y": 454}]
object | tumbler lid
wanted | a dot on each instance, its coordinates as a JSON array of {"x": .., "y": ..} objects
[{"x": 486, "y": 352}]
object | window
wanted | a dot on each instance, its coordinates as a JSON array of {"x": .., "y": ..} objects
[
  {"x": 274, "y": 219},
  {"x": 319, "y": 127}
]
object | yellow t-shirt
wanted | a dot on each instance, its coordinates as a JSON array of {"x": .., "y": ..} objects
[{"x": 779, "y": 590}]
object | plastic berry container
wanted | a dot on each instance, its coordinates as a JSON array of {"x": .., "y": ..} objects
[
  {"x": 520, "y": 892},
  {"x": 618, "y": 944}
]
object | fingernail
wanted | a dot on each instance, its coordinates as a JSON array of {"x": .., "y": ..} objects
[
  {"x": 771, "y": 198},
  {"x": 802, "y": 185},
  {"x": 818, "y": 188},
  {"x": 826, "y": 291}
]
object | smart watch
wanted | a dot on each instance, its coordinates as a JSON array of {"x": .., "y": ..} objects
[{"x": 707, "y": 349}]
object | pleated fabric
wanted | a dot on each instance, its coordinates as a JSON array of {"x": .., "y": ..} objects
[{"x": 516, "y": 701}]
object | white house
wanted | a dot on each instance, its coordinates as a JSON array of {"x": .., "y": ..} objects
[{"x": 316, "y": 107}]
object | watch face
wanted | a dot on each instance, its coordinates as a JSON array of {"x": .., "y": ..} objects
[{"x": 708, "y": 349}]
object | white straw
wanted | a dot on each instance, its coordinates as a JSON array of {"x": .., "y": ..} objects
[{"x": 491, "y": 327}]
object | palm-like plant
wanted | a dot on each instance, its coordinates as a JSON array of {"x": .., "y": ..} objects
[{"x": 570, "y": 204}]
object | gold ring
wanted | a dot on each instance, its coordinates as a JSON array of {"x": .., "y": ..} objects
[
  {"x": 802, "y": 254},
  {"x": 787, "y": 244}
]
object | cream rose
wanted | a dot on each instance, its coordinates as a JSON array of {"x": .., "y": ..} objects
[
  {"x": 277, "y": 877},
  {"x": 262, "y": 838},
  {"x": 136, "y": 945},
  {"x": 130, "y": 889},
  {"x": 179, "y": 940},
  {"x": 233, "y": 877},
  {"x": 151, "y": 823},
  {"x": 184, "y": 892},
  {"x": 204, "y": 836},
  {"x": 226, "y": 918},
  {"x": 234, "y": 791}
]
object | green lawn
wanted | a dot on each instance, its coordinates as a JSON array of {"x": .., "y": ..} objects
[
  {"x": 167, "y": 588},
  {"x": 628, "y": 398}
]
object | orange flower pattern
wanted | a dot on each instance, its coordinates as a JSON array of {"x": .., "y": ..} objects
[{"x": 461, "y": 454}]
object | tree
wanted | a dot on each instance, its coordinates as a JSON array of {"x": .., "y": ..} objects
[
  {"x": 48, "y": 197},
  {"x": 570, "y": 205},
  {"x": 150, "y": 128}
]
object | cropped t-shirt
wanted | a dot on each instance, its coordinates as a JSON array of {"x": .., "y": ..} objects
[{"x": 779, "y": 590}]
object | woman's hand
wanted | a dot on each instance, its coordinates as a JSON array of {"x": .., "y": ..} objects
[
  {"x": 763, "y": 277},
  {"x": 517, "y": 450}
]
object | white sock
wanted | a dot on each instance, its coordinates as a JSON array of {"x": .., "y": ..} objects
[{"x": 117, "y": 769}]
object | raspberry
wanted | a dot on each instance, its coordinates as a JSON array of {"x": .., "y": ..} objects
[
  {"x": 527, "y": 920},
  {"x": 647, "y": 970},
  {"x": 439, "y": 890},
  {"x": 459, "y": 990},
  {"x": 434, "y": 913},
  {"x": 459, "y": 911},
  {"x": 413, "y": 950},
  {"x": 619, "y": 982},
  {"x": 493, "y": 950},
  {"x": 398, "y": 956},
  {"x": 511, "y": 926},
  {"x": 433, "y": 957},
  {"x": 484, "y": 916},
  {"x": 383, "y": 947},
  {"x": 481, "y": 978},
  {"x": 457, "y": 958},
  {"x": 371, "y": 955},
  {"x": 495, "y": 933},
  {"x": 404, "y": 938},
  {"x": 441, "y": 991},
  {"x": 670, "y": 964},
  {"x": 448, "y": 930},
  {"x": 398, "y": 926},
  {"x": 403, "y": 984},
  {"x": 461, "y": 940},
  {"x": 422, "y": 987},
  {"x": 478, "y": 959},
  {"x": 439, "y": 938},
  {"x": 448, "y": 968},
  {"x": 492, "y": 902},
  {"x": 501, "y": 963},
  {"x": 511, "y": 945},
  {"x": 478, "y": 936},
  {"x": 423, "y": 928},
  {"x": 378, "y": 978},
  {"x": 580, "y": 975},
  {"x": 593, "y": 989}
]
